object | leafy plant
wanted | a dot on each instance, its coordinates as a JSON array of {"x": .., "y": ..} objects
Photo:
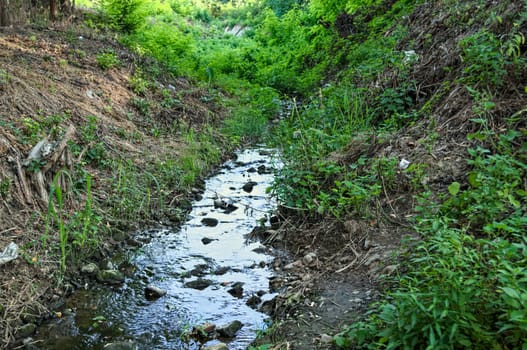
[
  {"x": 107, "y": 60},
  {"x": 124, "y": 15},
  {"x": 485, "y": 64}
]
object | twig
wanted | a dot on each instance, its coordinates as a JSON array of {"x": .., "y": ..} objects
[
  {"x": 8, "y": 230},
  {"x": 347, "y": 266}
]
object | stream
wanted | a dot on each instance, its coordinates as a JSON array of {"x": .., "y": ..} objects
[{"x": 210, "y": 250}]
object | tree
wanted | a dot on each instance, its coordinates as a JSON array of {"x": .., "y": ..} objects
[{"x": 13, "y": 12}]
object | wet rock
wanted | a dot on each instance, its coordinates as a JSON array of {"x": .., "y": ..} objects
[
  {"x": 89, "y": 269},
  {"x": 217, "y": 346},
  {"x": 261, "y": 250},
  {"x": 275, "y": 283},
  {"x": 121, "y": 345},
  {"x": 110, "y": 276},
  {"x": 262, "y": 169},
  {"x": 236, "y": 290},
  {"x": 26, "y": 330},
  {"x": 229, "y": 330},
  {"x": 108, "y": 265},
  {"x": 199, "y": 284},
  {"x": 253, "y": 302},
  {"x": 204, "y": 331},
  {"x": 275, "y": 222},
  {"x": 252, "y": 170},
  {"x": 222, "y": 270},
  {"x": 268, "y": 307},
  {"x": 199, "y": 270},
  {"x": 206, "y": 240},
  {"x": 229, "y": 208},
  {"x": 211, "y": 222},
  {"x": 248, "y": 187},
  {"x": 153, "y": 292},
  {"x": 220, "y": 203}
]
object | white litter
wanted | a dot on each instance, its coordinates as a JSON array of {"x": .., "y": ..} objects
[{"x": 10, "y": 253}]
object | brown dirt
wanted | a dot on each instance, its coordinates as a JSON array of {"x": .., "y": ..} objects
[{"x": 53, "y": 71}]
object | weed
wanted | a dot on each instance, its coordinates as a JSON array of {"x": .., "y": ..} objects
[
  {"x": 4, "y": 77},
  {"x": 107, "y": 60},
  {"x": 5, "y": 186},
  {"x": 56, "y": 214},
  {"x": 138, "y": 83},
  {"x": 142, "y": 105},
  {"x": 485, "y": 64}
]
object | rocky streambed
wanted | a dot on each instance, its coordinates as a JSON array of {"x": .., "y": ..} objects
[{"x": 194, "y": 287}]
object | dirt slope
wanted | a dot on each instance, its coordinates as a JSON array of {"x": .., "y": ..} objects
[{"x": 52, "y": 85}]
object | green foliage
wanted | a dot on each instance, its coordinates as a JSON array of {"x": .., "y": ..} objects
[
  {"x": 251, "y": 115},
  {"x": 138, "y": 83},
  {"x": 142, "y": 105},
  {"x": 495, "y": 191},
  {"x": 124, "y": 15},
  {"x": 95, "y": 150},
  {"x": 461, "y": 291},
  {"x": 77, "y": 233},
  {"x": 308, "y": 180},
  {"x": 107, "y": 60},
  {"x": 5, "y": 186},
  {"x": 166, "y": 42},
  {"x": 451, "y": 297},
  {"x": 485, "y": 64},
  {"x": 281, "y": 7}
]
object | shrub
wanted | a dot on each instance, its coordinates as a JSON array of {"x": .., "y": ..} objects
[{"x": 124, "y": 15}]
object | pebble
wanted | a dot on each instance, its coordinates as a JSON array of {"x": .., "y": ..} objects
[
  {"x": 199, "y": 284},
  {"x": 153, "y": 292},
  {"x": 217, "y": 346},
  {"x": 326, "y": 339},
  {"x": 309, "y": 259},
  {"x": 211, "y": 222},
  {"x": 229, "y": 330},
  {"x": 89, "y": 269}
]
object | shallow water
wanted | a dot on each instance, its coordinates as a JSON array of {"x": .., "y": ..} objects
[{"x": 109, "y": 314}]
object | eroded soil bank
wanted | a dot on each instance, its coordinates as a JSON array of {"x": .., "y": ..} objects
[{"x": 130, "y": 151}]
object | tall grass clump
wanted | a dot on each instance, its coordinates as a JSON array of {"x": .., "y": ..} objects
[
  {"x": 77, "y": 233},
  {"x": 311, "y": 180}
]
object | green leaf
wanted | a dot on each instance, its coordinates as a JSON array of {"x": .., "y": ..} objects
[
  {"x": 511, "y": 292},
  {"x": 454, "y": 187}
]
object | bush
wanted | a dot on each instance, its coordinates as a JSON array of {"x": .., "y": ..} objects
[{"x": 125, "y": 15}]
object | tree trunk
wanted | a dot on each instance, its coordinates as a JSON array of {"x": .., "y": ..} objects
[
  {"x": 52, "y": 10},
  {"x": 4, "y": 19}
]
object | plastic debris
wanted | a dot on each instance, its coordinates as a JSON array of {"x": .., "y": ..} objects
[
  {"x": 403, "y": 164},
  {"x": 410, "y": 56},
  {"x": 10, "y": 253}
]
